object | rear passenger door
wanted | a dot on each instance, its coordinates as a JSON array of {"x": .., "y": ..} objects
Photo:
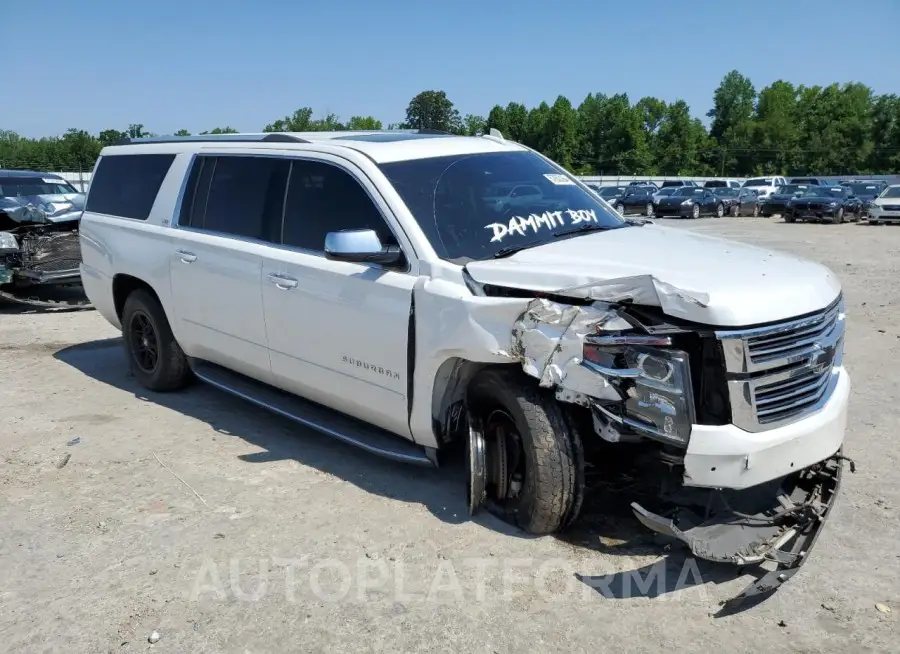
[
  {"x": 231, "y": 213},
  {"x": 338, "y": 330}
]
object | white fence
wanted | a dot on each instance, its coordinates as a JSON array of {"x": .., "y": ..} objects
[{"x": 81, "y": 181}]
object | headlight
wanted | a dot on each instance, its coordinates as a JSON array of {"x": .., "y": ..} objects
[
  {"x": 8, "y": 242},
  {"x": 654, "y": 383}
]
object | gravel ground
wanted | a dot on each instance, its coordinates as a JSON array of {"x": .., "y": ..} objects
[{"x": 225, "y": 529}]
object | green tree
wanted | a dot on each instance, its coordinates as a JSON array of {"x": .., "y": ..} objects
[
  {"x": 363, "y": 123},
  {"x": 218, "y": 130},
  {"x": 182, "y": 132},
  {"x": 560, "y": 138},
  {"x": 111, "y": 136},
  {"x": 682, "y": 142},
  {"x": 432, "y": 110},
  {"x": 776, "y": 135},
  {"x": 473, "y": 125},
  {"x": 732, "y": 122}
]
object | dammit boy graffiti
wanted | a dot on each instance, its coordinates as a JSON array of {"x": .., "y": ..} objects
[{"x": 548, "y": 220}]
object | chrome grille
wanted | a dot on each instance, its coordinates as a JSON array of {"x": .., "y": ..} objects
[{"x": 779, "y": 373}]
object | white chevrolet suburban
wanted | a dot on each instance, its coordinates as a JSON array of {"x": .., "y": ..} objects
[{"x": 377, "y": 287}]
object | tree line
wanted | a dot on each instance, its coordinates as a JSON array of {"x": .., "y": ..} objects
[{"x": 780, "y": 129}]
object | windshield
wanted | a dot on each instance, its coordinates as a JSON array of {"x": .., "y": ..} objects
[
  {"x": 451, "y": 199},
  {"x": 726, "y": 192},
  {"x": 11, "y": 187},
  {"x": 790, "y": 189},
  {"x": 688, "y": 190},
  {"x": 814, "y": 191},
  {"x": 610, "y": 191},
  {"x": 759, "y": 181},
  {"x": 669, "y": 190},
  {"x": 864, "y": 189},
  {"x": 891, "y": 192}
]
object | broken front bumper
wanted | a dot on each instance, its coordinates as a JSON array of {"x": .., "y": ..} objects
[{"x": 782, "y": 531}]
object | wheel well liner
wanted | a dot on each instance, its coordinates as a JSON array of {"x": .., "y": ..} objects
[
  {"x": 451, "y": 384},
  {"x": 123, "y": 286}
]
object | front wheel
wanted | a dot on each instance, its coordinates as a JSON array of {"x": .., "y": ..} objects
[
  {"x": 620, "y": 208},
  {"x": 720, "y": 210},
  {"x": 735, "y": 211},
  {"x": 156, "y": 359},
  {"x": 756, "y": 211},
  {"x": 695, "y": 212},
  {"x": 838, "y": 216},
  {"x": 648, "y": 210},
  {"x": 534, "y": 462}
]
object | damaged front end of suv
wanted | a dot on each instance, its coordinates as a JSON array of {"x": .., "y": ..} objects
[
  {"x": 39, "y": 245},
  {"x": 741, "y": 422}
]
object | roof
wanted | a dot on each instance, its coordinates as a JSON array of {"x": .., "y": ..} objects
[
  {"x": 27, "y": 173},
  {"x": 382, "y": 146}
]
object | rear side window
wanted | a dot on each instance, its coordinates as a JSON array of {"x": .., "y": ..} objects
[
  {"x": 126, "y": 185},
  {"x": 238, "y": 196}
]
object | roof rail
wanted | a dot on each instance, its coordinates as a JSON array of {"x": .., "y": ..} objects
[{"x": 273, "y": 137}]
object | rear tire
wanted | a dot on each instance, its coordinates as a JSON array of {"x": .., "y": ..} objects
[
  {"x": 720, "y": 210},
  {"x": 155, "y": 358},
  {"x": 838, "y": 217},
  {"x": 649, "y": 210},
  {"x": 735, "y": 211},
  {"x": 548, "y": 463},
  {"x": 756, "y": 211},
  {"x": 695, "y": 211}
]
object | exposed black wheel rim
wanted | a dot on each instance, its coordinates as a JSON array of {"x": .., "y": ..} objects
[
  {"x": 506, "y": 462},
  {"x": 144, "y": 342}
]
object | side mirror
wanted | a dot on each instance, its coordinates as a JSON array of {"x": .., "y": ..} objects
[{"x": 360, "y": 246}]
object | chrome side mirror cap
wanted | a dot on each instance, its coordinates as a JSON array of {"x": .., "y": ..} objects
[{"x": 360, "y": 246}]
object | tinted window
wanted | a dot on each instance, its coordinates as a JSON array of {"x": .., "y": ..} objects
[
  {"x": 323, "y": 198},
  {"x": 244, "y": 196},
  {"x": 11, "y": 187},
  {"x": 126, "y": 185},
  {"x": 450, "y": 199}
]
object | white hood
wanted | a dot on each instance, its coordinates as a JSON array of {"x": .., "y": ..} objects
[{"x": 689, "y": 275}]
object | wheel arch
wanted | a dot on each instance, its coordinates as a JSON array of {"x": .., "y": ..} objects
[{"x": 124, "y": 285}]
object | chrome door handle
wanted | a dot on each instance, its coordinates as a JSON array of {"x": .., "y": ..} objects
[
  {"x": 186, "y": 257},
  {"x": 282, "y": 282}
]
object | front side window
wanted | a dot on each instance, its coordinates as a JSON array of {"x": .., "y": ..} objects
[
  {"x": 323, "y": 198},
  {"x": 454, "y": 201}
]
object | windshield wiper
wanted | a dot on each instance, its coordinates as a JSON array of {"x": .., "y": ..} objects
[
  {"x": 511, "y": 249},
  {"x": 587, "y": 227}
]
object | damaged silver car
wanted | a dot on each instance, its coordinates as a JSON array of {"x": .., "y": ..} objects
[{"x": 39, "y": 240}]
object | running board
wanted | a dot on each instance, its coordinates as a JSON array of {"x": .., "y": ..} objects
[{"x": 309, "y": 414}]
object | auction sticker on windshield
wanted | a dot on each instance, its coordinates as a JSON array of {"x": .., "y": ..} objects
[
  {"x": 548, "y": 220},
  {"x": 559, "y": 180}
]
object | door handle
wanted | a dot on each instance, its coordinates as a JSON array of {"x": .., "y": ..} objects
[
  {"x": 186, "y": 257},
  {"x": 283, "y": 282}
]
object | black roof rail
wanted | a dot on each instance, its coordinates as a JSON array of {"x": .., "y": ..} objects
[{"x": 274, "y": 137}]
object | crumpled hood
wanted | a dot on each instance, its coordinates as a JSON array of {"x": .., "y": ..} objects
[
  {"x": 53, "y": 208},
  {"x": 701, "y": 278}
]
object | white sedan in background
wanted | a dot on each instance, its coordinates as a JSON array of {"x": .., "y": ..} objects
[{"x": 886, "y": 207}]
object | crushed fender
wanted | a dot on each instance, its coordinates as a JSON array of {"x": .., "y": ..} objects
[{"x": 642, "y": 289}]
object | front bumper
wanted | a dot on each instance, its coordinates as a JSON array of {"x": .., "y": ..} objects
[
  {"x": 772, "y": 207},
  {"x": 679, "y": 210},
  {"x": 804, "y": 213},
  {"x": 884, "y": 216}
]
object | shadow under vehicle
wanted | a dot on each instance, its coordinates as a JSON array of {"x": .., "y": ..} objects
[{"x": 39, "y": 247}]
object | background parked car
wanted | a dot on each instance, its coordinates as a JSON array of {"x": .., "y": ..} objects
[
  {"x": 886, "y": 207},
  {"x": 636, "y": 199},
  {"x": 776, "y": 203},
  {"x": 642, "y": 184},
  {"x": 764, "y": 186},
  {"x": 691, "y": 202},
  {"x": 611, "y": 193},
  {"x": 722, "y": 183},
  {"x": 663, "y": 192},
  {"x": 809, "y": 181},
  {"x": 679, "y": 182},
  {"x": 833, "y": 204},
  {"x": 866, "y": 191},
  {"x": 738, "y": 201}
]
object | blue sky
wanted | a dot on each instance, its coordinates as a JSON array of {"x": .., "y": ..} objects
[{"x": 198, "y": 64}]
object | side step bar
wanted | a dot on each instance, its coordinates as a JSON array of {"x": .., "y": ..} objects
[{"x": 309, "y": 414}]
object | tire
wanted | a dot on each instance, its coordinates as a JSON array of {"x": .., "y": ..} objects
[
  {"x": 756, "y": 211},
  {"x": 735, "y": 211},
  {"x": 720, "y": 210},
  {"x": 648, "y": 210},
  {"x": 788, "y": 218},
  {"x": 620, "y": 209},
  {"x": 838, "y": 218},
  {"x": 169, "y": 371},
  {"x": 874, "y": 222},
  {"x": 553, "y": 472},
  {"x": 695, "y": 211}
]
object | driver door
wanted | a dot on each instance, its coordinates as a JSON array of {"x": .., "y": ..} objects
[{"x": 337, "y": 330}]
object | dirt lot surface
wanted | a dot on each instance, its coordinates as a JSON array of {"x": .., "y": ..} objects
[{"x": 225, "y": 529}]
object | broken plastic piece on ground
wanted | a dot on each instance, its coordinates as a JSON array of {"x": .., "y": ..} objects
[{"x": 784, "y": 532}]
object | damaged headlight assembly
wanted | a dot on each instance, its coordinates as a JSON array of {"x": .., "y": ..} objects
[
  {"x": 653, "y": 379},
  {"x": 8, "y": 243}
]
